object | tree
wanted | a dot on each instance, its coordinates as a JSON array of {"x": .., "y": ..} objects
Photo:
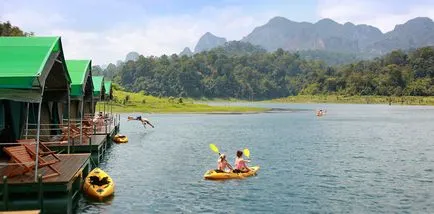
[
  {"x": 7, "y": 29},
  {"x": 228, "y": 72}
]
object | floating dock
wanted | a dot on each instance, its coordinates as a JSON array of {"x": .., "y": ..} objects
[
  {"x": 58, "y": 194},
  {"x": 35, "y": 106},
  {"x": 97, "y": 145}
]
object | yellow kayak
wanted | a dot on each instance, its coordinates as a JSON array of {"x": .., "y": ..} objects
[
  {"x": 98, "y": 184},
  {"x": 213, "y": 175},
  {"x": 120, "y": 138}
]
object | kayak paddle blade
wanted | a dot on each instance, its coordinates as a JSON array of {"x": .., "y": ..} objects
[
  {"x": 246, "y": 152},
  {"x": 214, "y": 148}
]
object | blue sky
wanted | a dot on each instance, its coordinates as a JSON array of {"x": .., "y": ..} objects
[{"x": 106, "y": 30}]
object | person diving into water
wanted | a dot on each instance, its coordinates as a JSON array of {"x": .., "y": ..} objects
[{"x": 144, "y": 121}]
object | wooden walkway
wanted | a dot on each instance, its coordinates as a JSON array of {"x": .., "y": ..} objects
[
  {"x": 21, "y": 212},
  {"x": 96, "y": 144},
  {"x": 92, "y": 140},
  {"x": 95, "y": 140},
  {"x": 69, "y": 167},
  {"x": 102, "y": 130},
  {"x": 58, "y": 194}
]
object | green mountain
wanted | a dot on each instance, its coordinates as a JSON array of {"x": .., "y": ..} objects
[
  {"x": 253, "y": 74},
  {"x": 132, "y": 56},
  {"x": 237, "y": 48},
  {"x": 208, "y": 41},
  {"x": 186, "y": 52},
  {"x": 328, "y": 36},
  {"x": 415, "y": 33}
]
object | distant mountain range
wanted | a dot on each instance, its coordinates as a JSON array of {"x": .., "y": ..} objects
[{"x": 328, "y": 35}]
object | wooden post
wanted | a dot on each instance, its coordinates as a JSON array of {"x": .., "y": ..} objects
[
  {"x": 38, "y": 132},
  {"x": 69, "y": 122},
  {"x": 41, "y": 194},
  {"x": 81, "y": 120},
  {"x": 5, "y": 192},
  {"x": 27, "y": 120}
]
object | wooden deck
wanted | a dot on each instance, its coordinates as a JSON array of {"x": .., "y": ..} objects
[
  {"x": 102, "y": 130},
  {"x": 97, "y": 145},
  {"x": 95, "y": 140},
  {"x": 69, "y": 167},
  {"x": 58, "y": 194},
  {"x": 21, "y": 212}
]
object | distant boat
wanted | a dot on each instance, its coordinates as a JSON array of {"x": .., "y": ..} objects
[{"x": 321, "y": 113}]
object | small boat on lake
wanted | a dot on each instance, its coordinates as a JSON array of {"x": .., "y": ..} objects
[
  {"x": 321, "y": 112},
  {"x": 120, "y": 138},
  {"x": 216, "y": 175},
  {"x": 98, "y": 184}
]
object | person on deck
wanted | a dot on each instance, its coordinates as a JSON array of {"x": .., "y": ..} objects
[
  {"x": 222, "y": 164},
  {"x": 240, "y": 163}
]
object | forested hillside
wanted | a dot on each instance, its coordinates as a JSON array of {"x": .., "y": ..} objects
[{"x": 221, "y": 73}]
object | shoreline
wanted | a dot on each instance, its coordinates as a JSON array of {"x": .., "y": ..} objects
[
  {"x": 339, "y": 99},
  {"x": 268, "y": 110},
  {"x": 162, "y": 106}
]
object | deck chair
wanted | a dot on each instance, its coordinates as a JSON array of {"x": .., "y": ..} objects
[
  {"x": 76, "y": 129},
  {"x": 88, "y": 122},
  {"x": 97, "y": 124},
  {"x": 26, "y": 163},
  {"x": 74, "y": 134},
  {"x": 43, "y": 149}
]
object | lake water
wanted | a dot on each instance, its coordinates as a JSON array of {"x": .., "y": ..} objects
[{"x": 355, "y": 159}]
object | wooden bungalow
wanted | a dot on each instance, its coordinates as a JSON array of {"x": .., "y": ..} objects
[
  {"x": 81, "y": 93},
  {"x": 34, "y": 85},
  {"x": 98, "y": 91}
]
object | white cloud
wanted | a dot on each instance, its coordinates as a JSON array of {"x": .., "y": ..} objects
[
  {"x": 383, "y": 14},
  {"x": 30, "y": 20},
  {"x": 167, "y": 34},
  {"x": 150, "y": 36}
]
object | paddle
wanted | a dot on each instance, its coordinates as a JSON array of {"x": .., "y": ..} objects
[
  {"x": 214, "y": 148},
  {"x": 246, "y": 152}
]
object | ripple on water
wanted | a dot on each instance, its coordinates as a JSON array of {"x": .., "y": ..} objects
[{"x": 356, "y": 159}]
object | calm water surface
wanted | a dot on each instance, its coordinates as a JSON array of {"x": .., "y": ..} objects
[{"x": 356, "y": 159}]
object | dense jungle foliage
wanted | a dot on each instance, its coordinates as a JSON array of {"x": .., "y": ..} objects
[{"x": 243, "y": 71}]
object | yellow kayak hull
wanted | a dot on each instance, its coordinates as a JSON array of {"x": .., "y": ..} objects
[
  {"x": 120, "y": 139},
  {"x": 96, "y": 190},
  {"x": 213, "y": 175}
]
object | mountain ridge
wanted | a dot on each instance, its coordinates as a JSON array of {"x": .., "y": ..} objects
[
  {"x": 208, "y": 41},
  {"x": 329, "y": 35}
]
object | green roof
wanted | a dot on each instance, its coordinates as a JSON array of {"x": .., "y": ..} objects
[
  {"x": 23, "y": 59},
  {"x": 98, "y": 85},
  {"x": 107, "y": 87},
  {"x": 79, "y": 71}
]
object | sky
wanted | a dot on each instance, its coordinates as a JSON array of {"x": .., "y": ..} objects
[{"x": 106, "y": 30}]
